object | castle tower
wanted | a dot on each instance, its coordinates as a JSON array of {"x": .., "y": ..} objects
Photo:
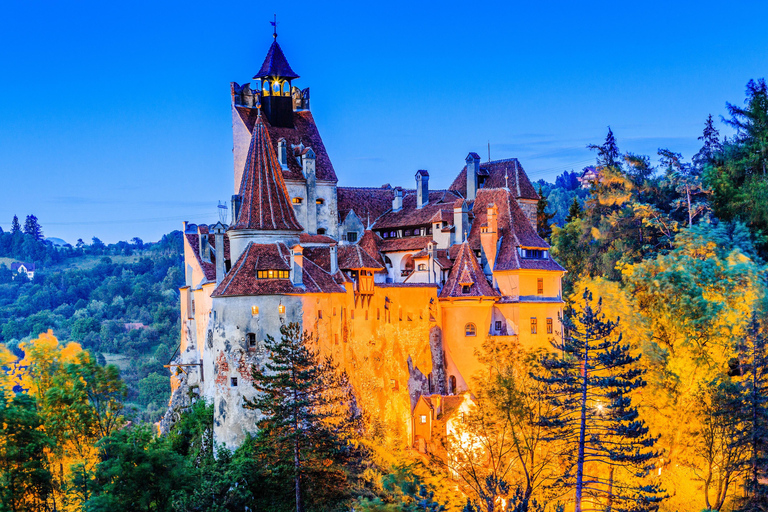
[
  {"x": 274, "y": 79},
  {"x": 263, "y": 211}
]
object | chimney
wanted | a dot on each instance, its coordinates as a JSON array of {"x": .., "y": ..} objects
[
  {"x": 397, "y": 202},
  {"x": 473, "y": 168},
  {"x": 236, "y": 202},
  {"x": 437, "y": 401},
  {"x": 308, "y": 161},
  {"x": 422, "y": 188},
  {"x": 204, "y": 246},
  {"x": 297, "y": 265},
  {"x": 334, "y": 259},
  {"x": 489, "y": 235},
  {"x": 282, "y": 153},
  {"x": 218, "y": 239},
  {"x": 460, "y": 220}
]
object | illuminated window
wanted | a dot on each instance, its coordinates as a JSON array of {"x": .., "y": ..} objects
[
  {"x": 297, "y": 200},
  {"x": 272, "y": 274},
  {"x": 251, "y": 337},
  {"x": 470, "y": 329},
  {"x": 549, "y": 326},
  {"x": 319, "y": 200},
  {"x": 254, "y": 310},
  {"x": 422, "y": 266},
  {"x": 423, "y": 419},
  {"x": 286, "y": 89},
  {"x": 540, "y": 286},
  {"x": 281, "y": 309},
  {"x": 276, "y": 87},
  {"x": 266, "y": 87},
  {"x": 534, "y": 325},
  {"x": 233, "y": 382}
]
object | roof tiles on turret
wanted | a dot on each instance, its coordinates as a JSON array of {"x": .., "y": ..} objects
[
  {"x": 499, "y": 174},
  {"x": 466, "y": 271},
  {"x": 266, "y": 204},
  {"x": 276, "y": 65},
  {"x": 305, "y": 132},
  {"x": 243, "y": 279}
]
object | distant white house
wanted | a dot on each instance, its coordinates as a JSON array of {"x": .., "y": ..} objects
[
  {"x": 24, "y": 268},
  {"x": 589, "y": 176}
]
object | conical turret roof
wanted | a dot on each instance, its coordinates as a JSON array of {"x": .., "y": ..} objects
[
  {"x": 276, "y": 65},
  {"x": 265, "y": 204}
]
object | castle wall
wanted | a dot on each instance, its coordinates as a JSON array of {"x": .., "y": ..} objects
[
  {"x": 328, "y": 212},
  {"x": 352, "y": 223},
  {"x": 462, "y": 363},
  {"x": 241, "y": 141}
]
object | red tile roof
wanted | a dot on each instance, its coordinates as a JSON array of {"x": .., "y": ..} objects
[
  {"x": 496, "y": 171},
  {"x": 368, "y": 203},
  {"x": 242, "y": 278},
  {"x": 208, "y": 267},
  {"x": 305, "y": 132},
  {"x": 306, "y": 238},
  {"x": 467, "y": 270},
  {"x": 410, "y": 243},
  {"x": 409, "y": 215},
  {"x": 266, "y": 204},
  {"x": 353, "y": 257},
  {"x": 371, "y": 243}
]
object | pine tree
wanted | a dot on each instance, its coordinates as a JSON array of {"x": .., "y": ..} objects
[
  {"x": 589, "y": 386},
  {"x": 752, "y": 411},
  {"x": 607, "y": 152},
  {"x": 711, "y": 147},
  {"x": 32, "y": 227},
  {"x": 543, "y": 227},
  {"x": 575, "y": 211},
  {"x": 308, "y": 415},
  {"x": 15, "y": 226}
]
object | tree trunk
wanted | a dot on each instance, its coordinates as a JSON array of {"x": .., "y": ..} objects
[
  {"x": 609, "y": 507},
  {"x": 296, "y": 458},
  {"x": 690, "y": 214},
  {"x": 582, "y": 428}
]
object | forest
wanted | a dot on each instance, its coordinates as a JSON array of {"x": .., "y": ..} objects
[{"x": 654, "y": 398}]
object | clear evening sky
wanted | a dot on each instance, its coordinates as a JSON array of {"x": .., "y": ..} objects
[{"x": 115, "y": 118}]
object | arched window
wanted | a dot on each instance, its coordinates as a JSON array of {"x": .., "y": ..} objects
[
  {"x": 276, "y": 87},
  {"x": 297, "y": 200},
  {"x": 266, "y": 87},
  {"x": 319, "y": 200},
  {"x": 251, "y": 338},
  {"x": 470, "y": 329},
  {"x": 286, "y": 89},
  {"x": 452, "y": 385},
  {"x": 320, "y": 231}
]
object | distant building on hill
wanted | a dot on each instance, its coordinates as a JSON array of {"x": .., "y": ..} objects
[
  {"x": 589, "y": 176},
  {"x": 401, "y": 286},
  {"x": 28, "y": 269}
]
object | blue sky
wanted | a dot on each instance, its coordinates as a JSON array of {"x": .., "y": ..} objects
[{"x": 115, "y": 120}]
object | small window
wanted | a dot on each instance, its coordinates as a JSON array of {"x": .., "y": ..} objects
[
  {"x": 281, "y": 309},
  {"x": 549, "y": 326},
  {"x": 366, "y": 314},
  {"x": 254, "y": 310},
  {"x": 423, "y": 419},
  {"x": 321, "y": 231},
  {"x": 498, "y": 325},
  {"x": 409, "y": 317},
  {"x": 422, "y": 266},
  {"x": 540, "y": 286},
  {"x": 351, "y": 314},
  {"x": 384, "y": 234},
  {"x": 378, "y": 314},
  {"x": 233, "y": 382},
  {"x": 251, "y": 337},
  {"x": 319, "y": 200},
  {"x": 334, "y": 311},
  {"x": 470, "y": 329},
  {"x": 352, "y": 236},
  {"x": 297, "y": 200},
  {"x": 400, "y": 314},
  {"x": 452, "y": 385},
  {"x": 407, "y": 232},
  {"x": 534, "y": 325},
  {"x": 465, "y": 289},
  {"x": 320, "y": 314},
  {"x": 336, "y": 339}
]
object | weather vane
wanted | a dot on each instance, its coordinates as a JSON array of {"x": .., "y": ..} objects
[{"x": 274, "y": 24}]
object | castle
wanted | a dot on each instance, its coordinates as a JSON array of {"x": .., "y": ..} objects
[{"x": 400, "y": 285}]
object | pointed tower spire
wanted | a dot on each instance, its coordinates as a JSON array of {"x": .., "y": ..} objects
[{"x": 266, "y": 204}]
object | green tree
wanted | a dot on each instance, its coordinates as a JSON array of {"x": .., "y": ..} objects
[
  {"x": 32, "y": 228},
  {"x": 15, "y": 226},
  {"x": 25, "y": 480},
  {"x": 543, "y": 227},
  {"x": 574, "y": 211},
  {"x": 308, "y": 421},
  {"x": 589, "y": 384}
]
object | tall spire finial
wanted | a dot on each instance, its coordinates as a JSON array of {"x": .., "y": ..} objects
[
  {"x": 258, "y": 106},
  {"x": 274, "y": 25}
]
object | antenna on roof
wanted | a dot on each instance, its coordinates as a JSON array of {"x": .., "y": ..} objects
[
  {"x": 274, "y": 24},
  {"x": 222, "y": 212}
]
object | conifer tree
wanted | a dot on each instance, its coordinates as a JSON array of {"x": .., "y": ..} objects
[
  {"x": 752, "y": 411},
  {"x": 575, "y": 211},
  {"x": 589, "y": 384},
  {"x": 15, "y": 226},
  {"x": 607, "y": 152},
  {"x": 711, "y": 147},
  {"x": 308, "y": 415},
  {"x": 543, "y": 226},
  {"x": 32, "y": 227}
]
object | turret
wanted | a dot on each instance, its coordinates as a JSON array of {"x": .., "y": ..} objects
[{"x": 274, "y": 79}]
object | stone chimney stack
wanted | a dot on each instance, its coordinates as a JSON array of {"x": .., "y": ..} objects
[
  {"x": 297, "y": 265},
  {"x": 422, "y": 188},
  {"x": 473, "y": 168},
  {"x": 437, "y": 401},
  {"x": 460, "y": 220},
  {"x": 218, "y": 239},
  {"x": 397, "y": 202},
  {"x": 308, "y": 160},
  {"x": 489, "y": 235},
  {"x": 334, "y": 259}
]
